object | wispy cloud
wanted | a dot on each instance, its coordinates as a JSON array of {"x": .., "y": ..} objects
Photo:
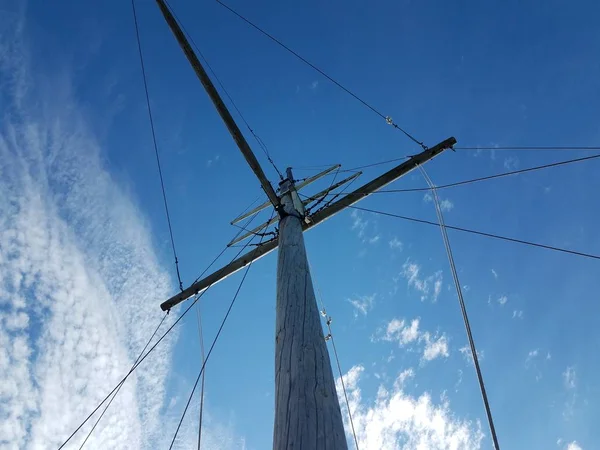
[
  {"x": 404, "y": 333},
  {"x": 573, "y": 446},
  {"x": 468, "y": 354},
  {"x": 362, "y": 304},
  {"x": 435, "y": 347},
  {"x": 374, "y": 239},
  {"x": 74, "y": 252},
  {"x": 396, "y": 244},
  {"x": 212, "y": 161},
  {"x": 495, "y": 274},
  {"x": 358, "y": 223},
  {"x": 570, "y": 382},
  {"x": 535, "y": 361},
  {"x": 395, "y": 420},
  {"x": 517, "y": 314},
  {"x": 314, "y": 85},
  {"x": 502, "y": 300},
  {"x": 532, "y": 354},
  {"x": 570, "y": 378},
  {"x": 511, "y": 163},
  {"x": 445, "y": 204},
  {"x": 429, "y": 287}
]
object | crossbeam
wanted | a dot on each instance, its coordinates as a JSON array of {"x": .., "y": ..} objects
[
  {"x": 234, "y": 130},
  {"x": 324, "y": 192},
  {"x": 298, "y": 186},
  {"x": 319, "y": 217},
  {"x": 306, "y": 201}
]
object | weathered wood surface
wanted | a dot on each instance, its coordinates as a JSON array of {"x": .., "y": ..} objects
[{"x": 307, "y": 411}]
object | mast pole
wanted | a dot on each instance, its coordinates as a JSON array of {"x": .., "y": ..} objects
[{"x": 307, "y": 411}]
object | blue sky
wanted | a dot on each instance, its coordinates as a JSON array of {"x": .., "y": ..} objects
[{"x": 85, "y": 254}]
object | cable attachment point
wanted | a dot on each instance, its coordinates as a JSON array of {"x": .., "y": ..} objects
[
  {"x": 389, "y": 120},
  {"x": 327, "y": 337}
]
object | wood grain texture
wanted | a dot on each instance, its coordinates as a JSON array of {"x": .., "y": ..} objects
[{"x": 307, "y": 411}]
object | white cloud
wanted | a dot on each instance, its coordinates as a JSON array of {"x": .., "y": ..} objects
[
  {"x": 429, "y": 287},
  {"x": 517, "y": 314},
  {"x": 74, "y": 253},
  {"x": 570, "y": 378},
  {"x": 502, "y": 300},
  {"x": 362, "y": 304},
  {"x": 403, "y": 377},
  {"x": 314, "y": 85},
  {"x": 374, "y": 239},
  {"x": 211, "y": 162},
  {"x": 468, "y": 354},
  {"x": 573, "y": 446},
  {"x": 445, "y": 204},
  {"x": 411, "y": 332},
  {"x": 495, "y": 274},
  {"x": 396, "y": 244},
  {"x": 404, "y": 333},
  {"x": 358, "y": 223},
  {"x": 435, "y": 348},
  {"x": 511, "y": 163},
  {"x": 532, "y": 354},
  {"x": 396, "y": 420}
]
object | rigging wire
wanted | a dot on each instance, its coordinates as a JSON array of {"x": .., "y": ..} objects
[
  {"x": 387, "y": 119},
  {"x": 499, "y": 175},
  {"x": 354, "y": 169},
  {"x": 366, "y": 166},
  {"x": 528, "y": 148},
  {"x": 212, "y": 347},
  {"x": 337, "y": 359},
  {"x": 162, "y": 183},
  {"x": 488, "y": 177},
  {"x": 201, "y": 338},
  {"x": 249, "y": 221},
  {"x": 260, "y": 142},
  {"x": 120, "y": 386},
  {"x": 463, "y": 308},
  {"x": 331, "y": 200},
  {"x": 319, "y": 201},
  {"x": 255, "y": 233},
  {"x": 480, "y": 233},
  {"x": 142, "y": 358}
]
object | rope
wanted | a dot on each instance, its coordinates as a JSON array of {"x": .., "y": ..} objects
[
  {"x": 260, "y": 142},
  {"x": 211, "y": 348},
  {"x": 387, "y": 119},
  {"x": 119, "y": 388},
  {"x": 337, "y": 360},
  {"x": 162, "y": 183},
  {"x": 480, "y": 233},
  {"x": 463, "y": 308}
]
